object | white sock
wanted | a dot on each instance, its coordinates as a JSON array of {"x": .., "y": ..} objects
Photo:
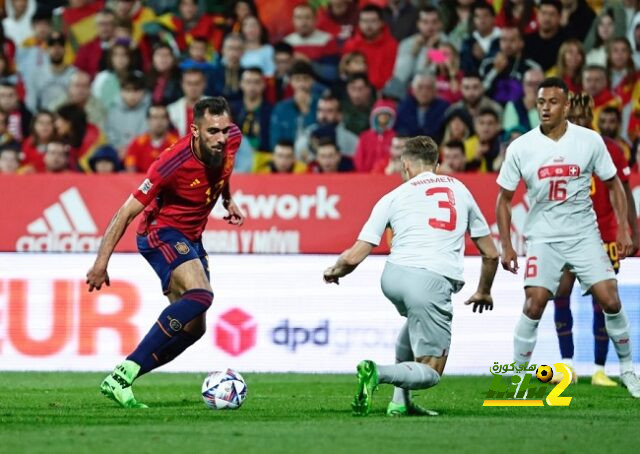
[
  {"x": 598, "y": 368},
  {"x": 568, "y": 362},
  {"x": 403, "y": 353},
  {"x": 524, "y": 339},
  {"x": 409, "y": 375},
  {"x": 618, "y": 329}
]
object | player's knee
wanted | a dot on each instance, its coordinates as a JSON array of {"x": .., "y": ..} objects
[
  {"x": 534, "y": 306},
  {"x": 610, "y": 304}
]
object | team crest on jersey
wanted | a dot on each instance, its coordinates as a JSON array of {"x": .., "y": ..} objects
[
  {"x": 182, "y": 247},
  {"x": 146, "y": 186},
  {"x": 558, "y": 159}
]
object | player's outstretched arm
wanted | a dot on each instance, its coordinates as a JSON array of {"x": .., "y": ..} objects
[
  {"x": 632, "y": 214},
  {"x": 503, "y": 216},
  {"x": 97, "y": 275},
  {"x": 619, "y": 202},
  {"x": 348, "y": 261},
  {"x": 481, "y": 299}
]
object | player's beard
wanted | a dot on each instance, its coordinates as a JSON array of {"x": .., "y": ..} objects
[{"x": 211, "y": 157}]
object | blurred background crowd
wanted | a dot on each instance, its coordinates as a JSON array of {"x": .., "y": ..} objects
[{"x": 316, "y": 87}]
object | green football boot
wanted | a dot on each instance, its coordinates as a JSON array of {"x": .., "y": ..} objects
[
  {"x": 367, "y": 384},
  {"x": 412, "y": 409},
  {"x": 117, "y": 385}
]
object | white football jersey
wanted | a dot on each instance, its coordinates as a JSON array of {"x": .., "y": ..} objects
[
  {"x": 558, "y": 180},
  {"x": 429, "y": 216}
]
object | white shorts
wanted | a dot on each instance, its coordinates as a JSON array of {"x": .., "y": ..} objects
[
  {"x": 424, "y": 297},
  {"x": 584, "y": 257}
]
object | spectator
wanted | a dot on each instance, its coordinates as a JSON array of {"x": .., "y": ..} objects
[
  {"x": 53, "y": 81},
  {"x": 257, "y": 50},
  {"x": 520, "y": 14},
  {"x": 391, "y": 164},
  {"x": 400, "y": 17},
  {"x": 339, "y": 19},
  {"x": 633, "y": 35},
  {"x": 484, "y": 41},
  {"x": 284, "y": 160},
  {"x": 164, "y": 77},
  {"x": 415, "y": 53},
  {"x": 473, "y": 97},
  {"x": 570, "y": 62},
  {"x": 523, "y": 112},
  {"x": 17, "y": 24},
  {"x": 80, "y": 94},
  {"x": 448, "y": 73},
  {"x": 350, "y": 63},
  {"x": 31, "y": 56},
  {"x": 199, "y": 50},
  {"x": 357, "y": 105},
  {"x": 57, "y": 157},
  {"x": 610, "y": 125},
  {"x": 453, "y": 158},
  {"x": 422, "y": 113},
  {"x": 596, "y": 85},
  {"x": 91, "y": 57},
  {"x": 315, "y": 45},
  {"x": 6, "y": 139},
  {"x": 374, "y": 143},
  {"x": 34, "y": 146},
  {"x": 9, "y": 161},
  {"x": 145, "y": 148},
  {"x": 456, "y": 15},
  {"x": 484, "y": 147},
  {"x": 134, "y": 11},
  {"x": 190, "y": 22},
  {"x": 8, "y": 75},
  {"x": 279, "y": 88},
  {"x": 253, "y": 113},
  {"x": 291, "y": 116},
  {"x": 19, "y": 120},
  {"x": 181, "y": 111},
  {"x": 106, "y": 85},
  {"x": 503, "y": 73},
  {"x": 226, "y": 75},
  {"x": 542, "y": 47},
  {"x": 622, "y": 72},
  {"x": 458, "y": 126},
  {"x": 128, "y": 117},
  {"x": 105, "y": 160},
  {"x": 577, "y": 17},
  {"x": 82, "y": 137},
  {"x": 329, "y": 159},
  {"x": 328, "y": 124},
  {"x": 605, "y": 32},
  {"x": 374, "y": 40}
]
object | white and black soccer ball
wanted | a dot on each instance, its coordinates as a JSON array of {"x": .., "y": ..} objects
[{"x": 224, "y": 390}]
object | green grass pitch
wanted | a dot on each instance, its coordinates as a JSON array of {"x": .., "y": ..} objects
[{"x": 300, "y": 413}]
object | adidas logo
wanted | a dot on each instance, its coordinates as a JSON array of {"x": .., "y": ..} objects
[{"x": 65, "y": 226}]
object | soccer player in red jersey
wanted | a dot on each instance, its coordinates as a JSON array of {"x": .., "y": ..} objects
[
  {"x": 180, "y": 189},
  {"x": 581, "y": 113}
]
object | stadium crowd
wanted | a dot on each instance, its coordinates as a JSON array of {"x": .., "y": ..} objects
[{"x": 324, "y": 86}]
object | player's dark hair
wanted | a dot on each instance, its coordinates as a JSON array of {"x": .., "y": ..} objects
[
  {"x": 215, "y": 106},
  {"x": 554, "y": 82},
  {"x": 371, "y": 8},
  {"x": 555, "y": 3},
  {"x": 421, "y": 148},
  {"x": 612, "y": 110}
]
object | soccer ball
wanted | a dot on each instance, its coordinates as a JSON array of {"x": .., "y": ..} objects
[
  {"x": 544, "y": 373},
  {"x": 225, "y": 390}
]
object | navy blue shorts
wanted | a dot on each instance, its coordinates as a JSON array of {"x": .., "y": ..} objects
[{"x": 165, "y": 249}]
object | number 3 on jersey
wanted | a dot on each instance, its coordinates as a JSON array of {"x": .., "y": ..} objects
[{"x": 448, "y": 204}]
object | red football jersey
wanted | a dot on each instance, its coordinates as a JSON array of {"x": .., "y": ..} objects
[
  {"x": 607, "y": 222},
  {"x": 180, "y": 191}
]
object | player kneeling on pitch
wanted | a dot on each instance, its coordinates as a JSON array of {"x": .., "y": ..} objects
[{"x": 429, "y": 215}]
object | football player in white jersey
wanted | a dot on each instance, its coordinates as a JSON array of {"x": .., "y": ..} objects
[
  {"x": 429, "y": 215},
  {"x": 556, "y": 161}
]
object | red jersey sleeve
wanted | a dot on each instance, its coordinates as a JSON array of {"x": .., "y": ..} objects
[
  {"x": 619, "y": 160},
  {"x": 152, "y": 184}
]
